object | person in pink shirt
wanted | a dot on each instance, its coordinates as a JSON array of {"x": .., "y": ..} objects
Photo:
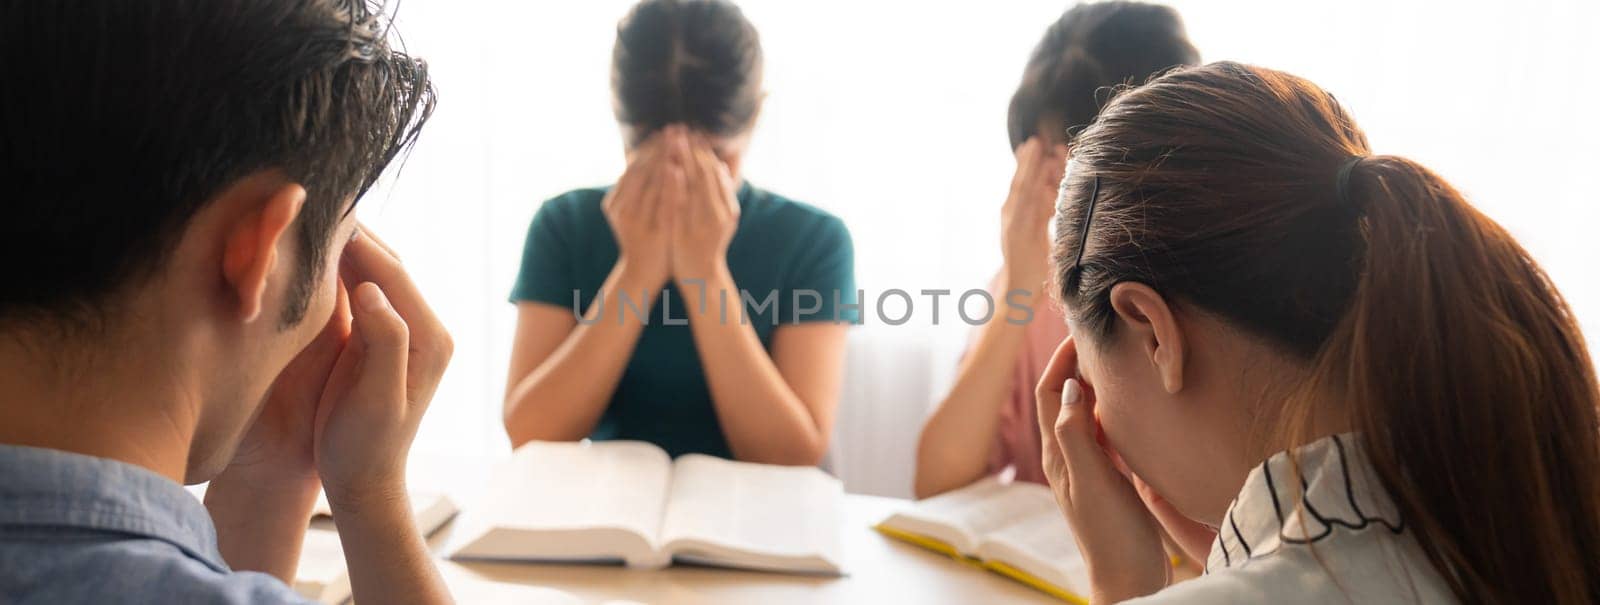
[{"x": 987, "y": 423}]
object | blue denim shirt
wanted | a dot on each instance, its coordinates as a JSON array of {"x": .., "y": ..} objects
[{"x": 80, "y": 529}]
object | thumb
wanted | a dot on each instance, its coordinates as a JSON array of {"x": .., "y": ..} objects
[{"x": 383, "y": 341}]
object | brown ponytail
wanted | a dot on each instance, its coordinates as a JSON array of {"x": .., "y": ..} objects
[
  {"x": 1474, "y": 392},
  {"x": 1439, "y": 336}
]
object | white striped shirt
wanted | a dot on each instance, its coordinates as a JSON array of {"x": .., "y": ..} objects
[{"x": 1329, "y": 534}]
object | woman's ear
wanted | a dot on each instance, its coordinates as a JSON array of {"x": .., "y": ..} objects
[{"x": 1152, "y": 324}]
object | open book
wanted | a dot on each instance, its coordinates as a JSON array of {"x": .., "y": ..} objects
[
  {"x": 431, "y": 510},
  {"x": 322, "y": 575},
  {"x": 1014, "y": 529},
  {"x": 628, "y": 501}
]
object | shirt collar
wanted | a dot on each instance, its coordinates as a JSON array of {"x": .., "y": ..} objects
[
  {"x": 57, "y": 489},
  {"x": 745, "y": 193},
  {"x": 1334, "y": 488}
]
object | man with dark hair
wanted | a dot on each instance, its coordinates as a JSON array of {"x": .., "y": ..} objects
[{"x": 174, "y": 257}]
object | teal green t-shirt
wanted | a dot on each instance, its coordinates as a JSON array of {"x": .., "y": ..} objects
[{"x": 794, "y": 263}]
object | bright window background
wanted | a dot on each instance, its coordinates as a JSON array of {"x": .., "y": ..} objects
[{"x": 892, "y": 115}]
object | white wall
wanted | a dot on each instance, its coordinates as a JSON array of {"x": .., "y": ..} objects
[{"x": 892, "y": 115}]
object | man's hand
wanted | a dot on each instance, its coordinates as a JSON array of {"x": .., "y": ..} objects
[
  {"x": 1119, "y": 539},
  {"x": 262, "y": 501},
  {"x": 280, "y": 442},
  {"x": 381, "y": 382}
]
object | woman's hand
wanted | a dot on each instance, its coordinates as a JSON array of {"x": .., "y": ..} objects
[
  {"x": 1025, "y": 217},
  {"x": 1119, "y": 539},
  {"x": 639, "y": 216},
  {"x": 708, "y": 212},
  {"x": 1192, "y": 538}
]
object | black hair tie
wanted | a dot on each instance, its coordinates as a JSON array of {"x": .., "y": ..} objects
[{"x": 1341, "y": 183}]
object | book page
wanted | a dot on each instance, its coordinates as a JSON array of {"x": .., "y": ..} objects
[
  {"x": 1042, "y": 546},
  {"x": 571, "y": 501},
  {"x": 961, "y": 517},
  {"x": 431, "y": 510},
  {"x": 760, "y": 516},
  {"x": 991, "y": 507}
]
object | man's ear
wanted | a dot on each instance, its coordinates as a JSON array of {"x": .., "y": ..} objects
[
  {"x": 250, "y": 247},
  {"x": 1154, "y": 327}
]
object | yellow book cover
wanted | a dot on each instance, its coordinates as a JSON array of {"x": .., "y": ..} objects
[{"x": 998, "y": 567}]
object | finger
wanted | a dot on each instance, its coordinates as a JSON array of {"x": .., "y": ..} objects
[
  {"x": 364, "y": 261},
  {"x": 627, "y": 184},
  {"x": 382, "y": 342},
  {"x": 649, "y": 191},
  {"x": 727, "y": 189},
  {"x": 680, "y": 143},
  {"x": 1047, "y": 395},
  {"x": 636, "y": 177},
  {"x": 643, "y": 178},
  {"x": 649, "y": 149},
  {"x": 1087, "y": 463},
  {"x": 338, "y": 328},
  {"x": 661, "y": 188},
  {"x": 363, "y": 232},
  {"x": 1027, "y": 150},
  {"x": 1027, "y": 160},
  {"x": 365, "y": 258},
  {"x": 315, "y": 362},
  {"x": 696, "y": 187},
  {"x": 674, "y": 191},
  {"x": 1193, "y": 537},
  {"x": 1075, "y": 426},
  {"x": 711, "y": 190}
]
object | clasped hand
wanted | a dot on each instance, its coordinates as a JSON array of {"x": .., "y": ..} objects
[{"x": 675, "y": 208}]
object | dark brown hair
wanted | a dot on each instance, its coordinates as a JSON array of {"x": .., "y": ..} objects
[
  {"x": 1090, "y": 49},
  {"x": 1423, "y": 320},
  {"x": 694, "y": 62},
  {"x": 122, "y": 120}
]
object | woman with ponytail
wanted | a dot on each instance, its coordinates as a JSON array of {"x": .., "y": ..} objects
[{"x": 1366, "y": 386}]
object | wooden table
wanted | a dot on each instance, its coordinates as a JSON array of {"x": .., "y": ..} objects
[{"x": 880, "y": 570}]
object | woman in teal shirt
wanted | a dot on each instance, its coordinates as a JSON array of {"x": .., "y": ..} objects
[{"x": 682, "y": 306}]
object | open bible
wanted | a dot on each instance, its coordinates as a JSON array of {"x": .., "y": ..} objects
[
  {"x": 1013, "y": 529},
  {"x": 627, "y": 501}
]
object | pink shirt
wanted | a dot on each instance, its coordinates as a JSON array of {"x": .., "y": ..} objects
[{"x": 1016, "y": 440}]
